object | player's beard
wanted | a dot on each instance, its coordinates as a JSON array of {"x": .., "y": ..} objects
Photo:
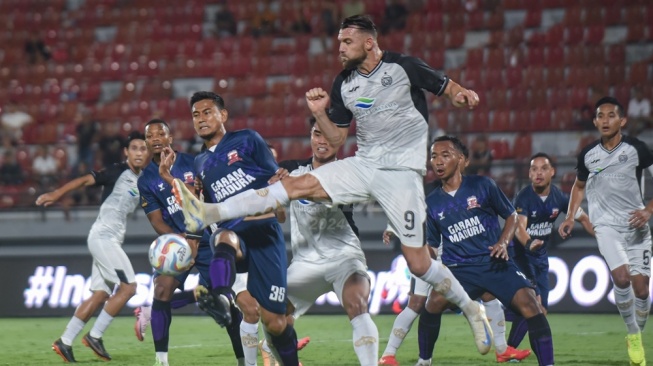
[
  {"x": 352, "y": 63},
  {"x": 208, "y": 136}
]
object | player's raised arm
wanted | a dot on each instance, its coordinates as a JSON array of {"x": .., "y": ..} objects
[
  {"x": 318, "y": 102},
  {"x": 461, "y": 97},
  {"x": 46, "y": 199}
]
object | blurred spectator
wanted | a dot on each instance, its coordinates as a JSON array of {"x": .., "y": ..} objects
[
  {"x": 45, "y": 167},
  {"x": 111, "y": 144},
  {"x": 395, "y": 16},
  {"x": 13, "y": 120},
  {"x": 329, "y": 18},
  {"x": 480, "y": 157},
  {"x": 350, "y": 8},
  {"x": 639, "y": 113},
  {"x": 299, "y": 25},
  {"x": 11, "y": 172},
  {"x": 36, "y": 50},
  {"x": 225, "y": 23},
  {"x": 86, "y": 131},
  {"x": 265, "y": 21}
]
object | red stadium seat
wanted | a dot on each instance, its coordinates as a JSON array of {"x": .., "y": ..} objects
[
  {"x": 535, "y": 56},
  {"x": 595, "y": 34},
  {"x": 533, "y": 18},
  {"x": 501, "y": 121},
  {"x": 500, "y": 149},
  {"x": 573, "y": 16},
  {"x": 523, "y": 146},
  {"x": 514, "y": 76},
  {"x": 474, "y": 57},
  {"x": 518, "y": 98}
]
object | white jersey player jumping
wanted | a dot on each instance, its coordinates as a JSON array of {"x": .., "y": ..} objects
[
  {"x": 383, "y": 91},
  {"x": 111, "y": 266}
]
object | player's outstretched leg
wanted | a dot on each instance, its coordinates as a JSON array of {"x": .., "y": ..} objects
[
  {"x": 443, "y": 281},
  {"x": 192, "y": 207}
]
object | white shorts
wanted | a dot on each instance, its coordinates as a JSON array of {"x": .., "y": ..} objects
[
  {"x": 631, "y": 247},
  {"x": 399, "y": 192},
  {"x": 111, "y": 266},
  {"x": 240, "y": 284},
  {"x": 308, "y": 281},
  {"x": 419, "y": 287}
]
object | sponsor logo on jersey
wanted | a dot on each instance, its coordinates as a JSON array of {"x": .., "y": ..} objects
[
  {"x": 472, "y": 202},
  {"x": 161, "y": 187},
  {"x": 465, "y": 229},
  {"x": 188, "y": 178},
  {"x": 133, "y": 192},
  {"x": 233, "y": 157},
  {"x": 441, "y": 215},
  {"x": 595, "y": 161},
  {"x": 386, "y": 80},
  {"x": 353, "y": 89},
  {"x": 364, "y": 103}
]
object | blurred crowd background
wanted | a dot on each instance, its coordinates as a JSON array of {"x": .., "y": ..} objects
[{"x": 76, "y": 76}]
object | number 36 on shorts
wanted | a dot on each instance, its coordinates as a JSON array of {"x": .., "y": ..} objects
[{"x": 277, "y": 293}]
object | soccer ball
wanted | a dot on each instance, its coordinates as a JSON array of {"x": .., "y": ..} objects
[{"x": 170, "y": 254}]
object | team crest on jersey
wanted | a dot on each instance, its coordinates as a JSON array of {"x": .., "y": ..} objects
[
  {"x": 364, "y": 103},
  {"x": 188, "y": 177},
  {"x": 554, "y": 213},
  {"x": 623, "y": 157},
  {"x": 441, "y": 215},
  {"x": 472, "y": 202},
  {"x": 233, "y": 157},
  {"x": 386, "y": 80},
  {"x": 161, "y": 187}
]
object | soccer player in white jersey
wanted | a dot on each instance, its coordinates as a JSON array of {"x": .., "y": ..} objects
[
  {"x": 383, "y": 90},
  {"x": 111, "y": 266},
  {"x": 327, "y": 256},
  {"x": 610, "y": 169}
]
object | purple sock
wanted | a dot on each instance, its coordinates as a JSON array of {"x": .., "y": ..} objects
[
  {"x": 539, "y": 333},
  {"x": 517, "y": 331},
  {"x": 181, "y": 299},
  {"x": 161, "y": 320},
  {"x": 223, "y": 268},
  {"x": 286, "y": 345},
  {"x": 510, "y": 315},
  {"x": 428, "y": 330}
]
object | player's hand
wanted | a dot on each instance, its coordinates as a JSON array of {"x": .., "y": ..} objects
[
  {"x": 639, "y": 218},
  {"x": 199, "y": 186},
  {"x": 565, "y": 228},
  {"x": 536, "y": 244},
  {"x": 466, "y": 97},
  {"x": 387, "y": 236},
  {"x": 194, "y": 247},
  {"x": 317, "y": 100},
  {"x": 167, "y": 160},
  {"x": 46, "y": 199},
  {"x": 499, "y": 251},
  {"x": 279, "y": 175}
]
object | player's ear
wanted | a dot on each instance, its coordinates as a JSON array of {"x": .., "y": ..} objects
[{"x": 225, "y": 115}]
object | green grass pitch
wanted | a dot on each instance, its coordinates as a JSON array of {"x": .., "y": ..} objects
[{"x": 578, "y": 340}]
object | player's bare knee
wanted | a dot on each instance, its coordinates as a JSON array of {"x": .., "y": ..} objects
[
  {"x": 127, "y": 289},
  {"x": 416, "y": 302},
  {"x": 436, "y": 304},
  {"x": 641, "y": 292},
  {"x": 226, "y": 237},
  {"x": 275, "y": 324},
  {"x": 355, "y": 306},
  {"x": 164, "y": 287},
  {"x": 418, "y": 260},
  {"x": 248, "y": 306}
]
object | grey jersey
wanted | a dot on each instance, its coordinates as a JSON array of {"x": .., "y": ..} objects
[
  {"x": 390, "y": 109},
  {"x": 613, "y": 179},
  {"x": 123, "y": 199},
  {"x": 320, "y": 233}
]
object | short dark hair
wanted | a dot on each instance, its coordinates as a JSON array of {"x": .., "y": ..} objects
[
  {"x": 613, "y": 101},
  {"x": 543, "y": 155},
  {"x": 201, "y": 95},
  {"x": 457, "y": 144},
  {"x": 156, "y": 121},
  {"x": 134, "y": 135},
  {"x": 360, "y": 21}
]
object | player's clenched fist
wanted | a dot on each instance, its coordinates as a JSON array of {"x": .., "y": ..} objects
[{"x": 317, "y": 99}]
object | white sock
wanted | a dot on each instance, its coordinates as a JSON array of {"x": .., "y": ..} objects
[
  {"x": 265, "y": 346},
  {"x": 249, "y": 339},
  {"x": 400, "y": 328},
  {"x": 366, "y": 339},
  {"x": 497, "y": 320},
  {"x": 250, "y": 202},
  {"x": 624, "y": 298},
  {"x": 74, "y": 327},
  {"x": 101, "y": 324},
  {"x": 162, "y": 357},
  {"x": 443, "y": 281},
  {"x": 642, "y": 309}
]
